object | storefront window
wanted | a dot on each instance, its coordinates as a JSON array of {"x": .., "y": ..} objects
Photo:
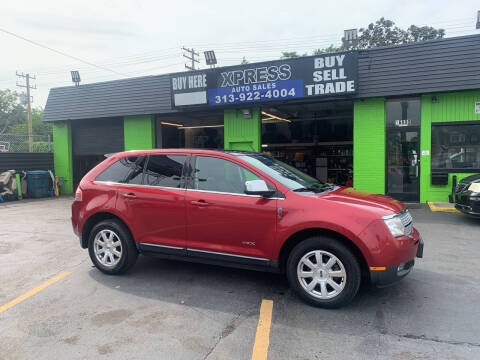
[{"x": 456, "y": 146}]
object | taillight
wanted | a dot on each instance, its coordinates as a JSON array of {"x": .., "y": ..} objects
[{"x": 78, "y": 194}]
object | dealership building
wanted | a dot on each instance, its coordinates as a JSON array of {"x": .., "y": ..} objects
[{"x": 397, "y": 120}]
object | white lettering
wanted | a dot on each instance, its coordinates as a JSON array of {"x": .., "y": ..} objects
[
  {"x": 318, "y": 63},
  {"x": 317, "y": 76},
  {"x": 319, "y": 89},
  {"x": 309, "y": 90},
  {"x": 340, "y": 86},
  {"x": 350, "y": 85},
  {"x": 329, "y": 88},
  {"x": 327, "y": 75},
  {"x": 330, "y": 61},
  {"x": 340, "y": 59}
]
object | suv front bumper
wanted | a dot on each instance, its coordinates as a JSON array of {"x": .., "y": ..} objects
[{"x": 392, "y": 274}]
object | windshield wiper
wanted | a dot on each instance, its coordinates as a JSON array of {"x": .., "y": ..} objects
[
  {"x": 303, "y": 189},
  {"x": 315, "y": 189}
]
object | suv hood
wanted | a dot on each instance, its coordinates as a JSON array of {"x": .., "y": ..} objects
[{"x": 380, "y": 205}]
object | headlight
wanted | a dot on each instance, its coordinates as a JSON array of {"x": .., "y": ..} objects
[
  {"x": 395, "y": 226},
  {"x": 474, "y": 187}
]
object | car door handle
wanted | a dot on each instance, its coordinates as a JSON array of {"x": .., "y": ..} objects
[
  {"x": 130, "y": 196},
  {"x": 201, "y": 203}
]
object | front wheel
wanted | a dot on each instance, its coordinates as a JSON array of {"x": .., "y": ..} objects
[
  {"x": 323, "y": 272},
  {"x": 111, "y": 247}
]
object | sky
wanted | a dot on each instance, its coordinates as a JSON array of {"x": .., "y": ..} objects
[{"x": 129, "y": 38}]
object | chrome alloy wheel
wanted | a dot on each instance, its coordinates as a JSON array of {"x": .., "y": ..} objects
[
  {"x": 321, "y": 274},
  {"x": 107, "y": 247}
]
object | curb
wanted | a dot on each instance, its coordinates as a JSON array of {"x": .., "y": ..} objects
[{"x": 435, "y": 208}]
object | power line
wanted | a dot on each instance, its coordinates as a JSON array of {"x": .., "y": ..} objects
[
  {"x": 262, "y": 48},
  {"x": 59, "y": 52}
]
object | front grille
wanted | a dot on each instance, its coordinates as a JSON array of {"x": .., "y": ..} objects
[{"x": 407, "y": 221}]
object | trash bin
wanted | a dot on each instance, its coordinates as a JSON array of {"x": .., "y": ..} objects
[{"x": 38, "y": 183}]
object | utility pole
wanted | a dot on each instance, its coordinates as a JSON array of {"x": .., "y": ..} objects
[
  {"x": 27, "y": 78},
  {"x": 192, "y": 54}
]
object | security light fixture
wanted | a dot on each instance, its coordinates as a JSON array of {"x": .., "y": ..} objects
[
  {"x": 350, "y": 38},
  {"x": 434, "y": 99},
  {"x": 75, "y": 77},
  {"x": 247, "y": 113},
  {"x": 210, "y": 58}
]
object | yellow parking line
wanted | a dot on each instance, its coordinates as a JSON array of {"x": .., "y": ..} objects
[
  {"x": 262, "y": 339},
  {"x": 33, "y": 291}
]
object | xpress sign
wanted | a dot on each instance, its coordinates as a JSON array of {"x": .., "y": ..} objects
[{"x": 323, "y": 75}]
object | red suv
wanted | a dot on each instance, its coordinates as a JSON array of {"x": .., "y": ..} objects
[{"x": 247, "y": 210}]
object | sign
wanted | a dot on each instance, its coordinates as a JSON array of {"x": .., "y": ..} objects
[
  {"x": 425, "y": 152},
  {"x": 312, "y": 76},
  {"x": 189, "y": 89},
  {"x": 477, "y": 107},
  {"x": 403, "y": 122}
]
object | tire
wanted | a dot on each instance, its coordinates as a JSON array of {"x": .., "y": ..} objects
[
  {"x": 114, "y": 259},
  {"x": 310, "y": 289}
]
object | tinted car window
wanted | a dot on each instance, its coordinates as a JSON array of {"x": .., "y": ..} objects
[
  {"x": 164, "y": 170},
  {"x": 135, "y": 176},
  {"x": 125, "y": 170},
  {"x": 214, "y": 174}
]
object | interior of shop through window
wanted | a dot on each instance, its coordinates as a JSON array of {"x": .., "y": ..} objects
[
  {"x": 198, "y": 130},
  {"x": 316, "y": 138}
]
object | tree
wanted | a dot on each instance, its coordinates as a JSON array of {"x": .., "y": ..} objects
[
  {"x": 384, "y": 32},
  {"x": 13, "y": 116},
  {"x": 417, "y": 34},
  {"x": 38, "y": 127},
  {"x": 11, "y": 111},
  {"x": 330, "y": 49},
  {"x": 381, "y": 33},
  {"x": 291, "y": 55}
]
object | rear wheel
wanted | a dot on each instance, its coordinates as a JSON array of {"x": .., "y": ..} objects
[
  {"x": 111, "y": 247},
  {"x": 323, "y": 272}
]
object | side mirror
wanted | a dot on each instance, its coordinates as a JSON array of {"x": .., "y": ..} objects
[{"x": 258, "y": 187}]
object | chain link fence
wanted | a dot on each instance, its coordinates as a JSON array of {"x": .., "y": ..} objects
[{"x": 23, "y": 143}]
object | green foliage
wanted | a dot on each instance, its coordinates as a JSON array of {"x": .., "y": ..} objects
[
  {"x": 41, "y": 146},
  {"x": 291, "y": 55},
  {"x": 13, "y": 116},
  {"x": 384, "y": 32},
  {"x": 38, "y": 127},
  {"x": 11, "y": 111},
  {"x": 416, "y": 34},
  {"x": 332, "y": 48},
  {"x": 381, "y": 33}
]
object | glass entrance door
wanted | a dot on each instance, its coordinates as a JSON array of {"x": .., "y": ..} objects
[{"x": 403, "y": 164}]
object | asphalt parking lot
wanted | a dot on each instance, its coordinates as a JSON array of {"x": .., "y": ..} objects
[{"x": 174, "y": 310}]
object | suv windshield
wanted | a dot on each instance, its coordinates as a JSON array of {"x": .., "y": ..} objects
[{"x": 285, "y": 174}]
